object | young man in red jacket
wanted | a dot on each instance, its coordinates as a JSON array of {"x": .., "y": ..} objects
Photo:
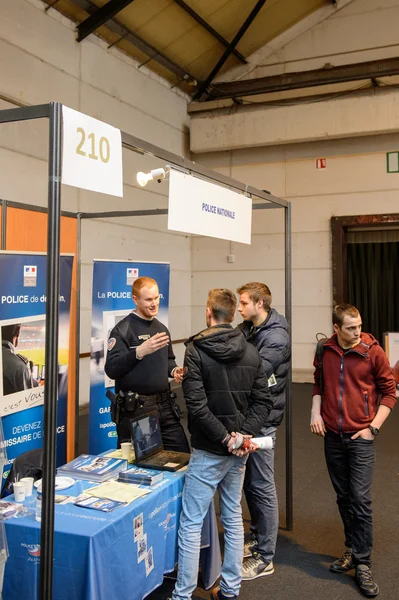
[{"x": 358, "y": 394}]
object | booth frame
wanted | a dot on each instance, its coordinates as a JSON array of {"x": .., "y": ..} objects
[{"x": 53, "y": 112}]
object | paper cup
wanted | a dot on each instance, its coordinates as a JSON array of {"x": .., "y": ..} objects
[
  {"x": 28, "y": 481},
  {"x": 19, "y": 491},
  {"x": 126, "y": 448}
]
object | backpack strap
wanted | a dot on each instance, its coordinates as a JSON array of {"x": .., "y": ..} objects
[{"x": 319, "y": 354}]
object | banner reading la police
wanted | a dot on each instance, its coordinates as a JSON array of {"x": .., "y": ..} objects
[
  {"x": 112, "y": 301},
  {"x": 22, "y": 367}
]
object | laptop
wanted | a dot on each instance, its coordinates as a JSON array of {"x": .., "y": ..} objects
[{"x": 148, "y": 447}]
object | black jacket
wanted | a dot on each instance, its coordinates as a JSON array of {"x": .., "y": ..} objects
[
  {"x": 272, "y": 341},
  {"x": 147, "y": 376},
  {"x": 225, "y": 388}
]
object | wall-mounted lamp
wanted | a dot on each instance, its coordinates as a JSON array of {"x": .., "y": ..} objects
[{"x": 156, "y": 174}]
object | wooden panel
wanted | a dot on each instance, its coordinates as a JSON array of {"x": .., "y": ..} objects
[{"x": 27, "y": 232}]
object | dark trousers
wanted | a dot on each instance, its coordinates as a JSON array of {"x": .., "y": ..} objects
[
  {"x": 350, "y": 465},
  {"x": 173, "y": 436},
  {"x": 261, "y": 497}
]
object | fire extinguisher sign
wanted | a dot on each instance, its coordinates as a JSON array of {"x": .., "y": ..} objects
[{"x": 321, "y": 163}]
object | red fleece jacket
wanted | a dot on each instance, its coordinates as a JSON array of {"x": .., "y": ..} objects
[{"x": 353, "y": 383}]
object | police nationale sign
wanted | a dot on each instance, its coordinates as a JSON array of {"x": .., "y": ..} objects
[
  {"x": 204, "y": 208},
  {"x": 91, "y": 154}
]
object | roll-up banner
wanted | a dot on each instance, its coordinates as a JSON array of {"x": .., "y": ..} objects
[
  {"x": 112, "y": 301},
  {"x": 22, "y": 366}
]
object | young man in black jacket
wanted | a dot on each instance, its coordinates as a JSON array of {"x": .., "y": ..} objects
[
  {"x": 267, "y": 330},
  {"x": 228, "y": 401}
]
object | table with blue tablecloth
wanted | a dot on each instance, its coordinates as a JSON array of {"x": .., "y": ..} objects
[{"x": 96, "y": 556}]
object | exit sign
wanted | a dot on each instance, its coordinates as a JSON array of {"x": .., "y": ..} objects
[{"x": 321, "y": 163}]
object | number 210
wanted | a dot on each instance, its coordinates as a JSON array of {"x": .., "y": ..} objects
[{"x": 103, "y": 146}]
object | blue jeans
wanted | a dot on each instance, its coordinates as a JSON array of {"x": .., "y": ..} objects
[
  {"x": 206, "y": 473},
  {"x": 350, "y": 465},
  {"x": 261, "y": 496}
]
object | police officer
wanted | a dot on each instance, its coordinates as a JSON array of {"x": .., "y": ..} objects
[
  {"x": 140, "y": 359},
  {"x": 16, "y": 371}
]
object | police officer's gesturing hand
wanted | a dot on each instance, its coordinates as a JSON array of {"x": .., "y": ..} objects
[{"x": 154, "y": 343}]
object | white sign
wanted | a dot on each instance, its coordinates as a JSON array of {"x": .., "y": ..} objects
[
  {"x": 204, "y": 208},
  {"x": 91, "y": 154}
]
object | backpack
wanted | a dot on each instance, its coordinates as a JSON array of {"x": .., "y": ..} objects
[{"x": 27, "y": 464}]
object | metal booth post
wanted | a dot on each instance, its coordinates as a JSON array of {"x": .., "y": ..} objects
[
  {"x": 51, "y": 352},
  {"x": 53, "y": 112},
  {"x": 288, "y": 410}
]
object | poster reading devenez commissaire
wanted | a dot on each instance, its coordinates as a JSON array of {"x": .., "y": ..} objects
[
  {"x": 112, "y": 301},
  {"x": 22, "y": 363}
]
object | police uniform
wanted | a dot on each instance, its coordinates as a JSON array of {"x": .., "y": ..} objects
[
  {"x": 16, "y": 372},
  {"x": 146, "y": 378}
]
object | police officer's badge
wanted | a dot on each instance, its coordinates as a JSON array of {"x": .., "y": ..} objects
[{"x": 111, "y": 343}]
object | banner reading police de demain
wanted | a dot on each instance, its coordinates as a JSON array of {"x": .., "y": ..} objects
[
  {"x": 112, "y": 301},
  {"x": 22, "y": 363}
]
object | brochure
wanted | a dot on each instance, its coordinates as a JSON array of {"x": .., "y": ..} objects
[
  {"x": 9, "y": 509},
  {"x": 114, "y": 490},
  {"x": 102, "y": 504},
  {"x": 141, "y": 476},
  {"x": 94, "y": 468}
]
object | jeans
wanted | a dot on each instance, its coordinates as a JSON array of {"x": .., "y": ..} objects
[
  {"x": 173, "y": 436},
  {"x": 350, "y": 465},
  {"x": 206, "y": 473},
  {"x": 261, "y": 496}
]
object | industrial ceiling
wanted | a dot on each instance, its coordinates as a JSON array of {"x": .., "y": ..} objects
[{"x": 188, "y": 42}]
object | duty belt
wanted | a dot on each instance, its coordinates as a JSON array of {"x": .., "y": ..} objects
[
  {"x": 142, "y": 397},
  {"x": 130, "y": 401}
]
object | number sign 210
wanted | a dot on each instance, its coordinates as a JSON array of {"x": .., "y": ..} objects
[{"x": 103, "y": 150}]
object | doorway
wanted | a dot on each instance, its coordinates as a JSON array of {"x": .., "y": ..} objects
[{"x": 365, "y": 265}]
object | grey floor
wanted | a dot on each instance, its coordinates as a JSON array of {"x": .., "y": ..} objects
[{"x": 303, "y": 555}]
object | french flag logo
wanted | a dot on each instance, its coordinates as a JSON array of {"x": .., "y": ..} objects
[
  {"x": 30, "y": 270},
  {"x": 133, "y": 273}
]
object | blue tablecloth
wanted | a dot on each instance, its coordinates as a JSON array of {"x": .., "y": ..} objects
[{"x": 95, "y": 554}]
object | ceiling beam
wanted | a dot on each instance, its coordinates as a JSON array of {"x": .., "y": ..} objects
[
  {"x": 305, "y": 79},
  {"x": 138, "y": 42},
  {"x": 209, "y": 28},
  {"x": 100, "y": 16},
  {"x": 203, "y": 88}
]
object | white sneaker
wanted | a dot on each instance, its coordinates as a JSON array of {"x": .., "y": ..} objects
[
  {"x": 255, "y": 567},
  {"x": 249, "y": 547}
]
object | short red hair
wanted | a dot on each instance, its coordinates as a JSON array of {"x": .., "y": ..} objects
[{"x": 141, "y": 282}]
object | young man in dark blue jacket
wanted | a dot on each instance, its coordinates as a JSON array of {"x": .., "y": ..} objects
[
  {"x": 228, "y": 400},
  {"x": 267, "y": 330}
]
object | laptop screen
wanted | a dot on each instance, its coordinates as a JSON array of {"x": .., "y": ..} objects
[{"x": 146, "y": 435}]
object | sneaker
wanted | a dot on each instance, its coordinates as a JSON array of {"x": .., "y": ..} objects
[
  {"x": 217, "y": 594},
  {"x": 256, "y": 567},
  {"x": 343, "y": 564},
  {"x": 250, "y": 546},
  {"x": 365, "y": 581}
]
